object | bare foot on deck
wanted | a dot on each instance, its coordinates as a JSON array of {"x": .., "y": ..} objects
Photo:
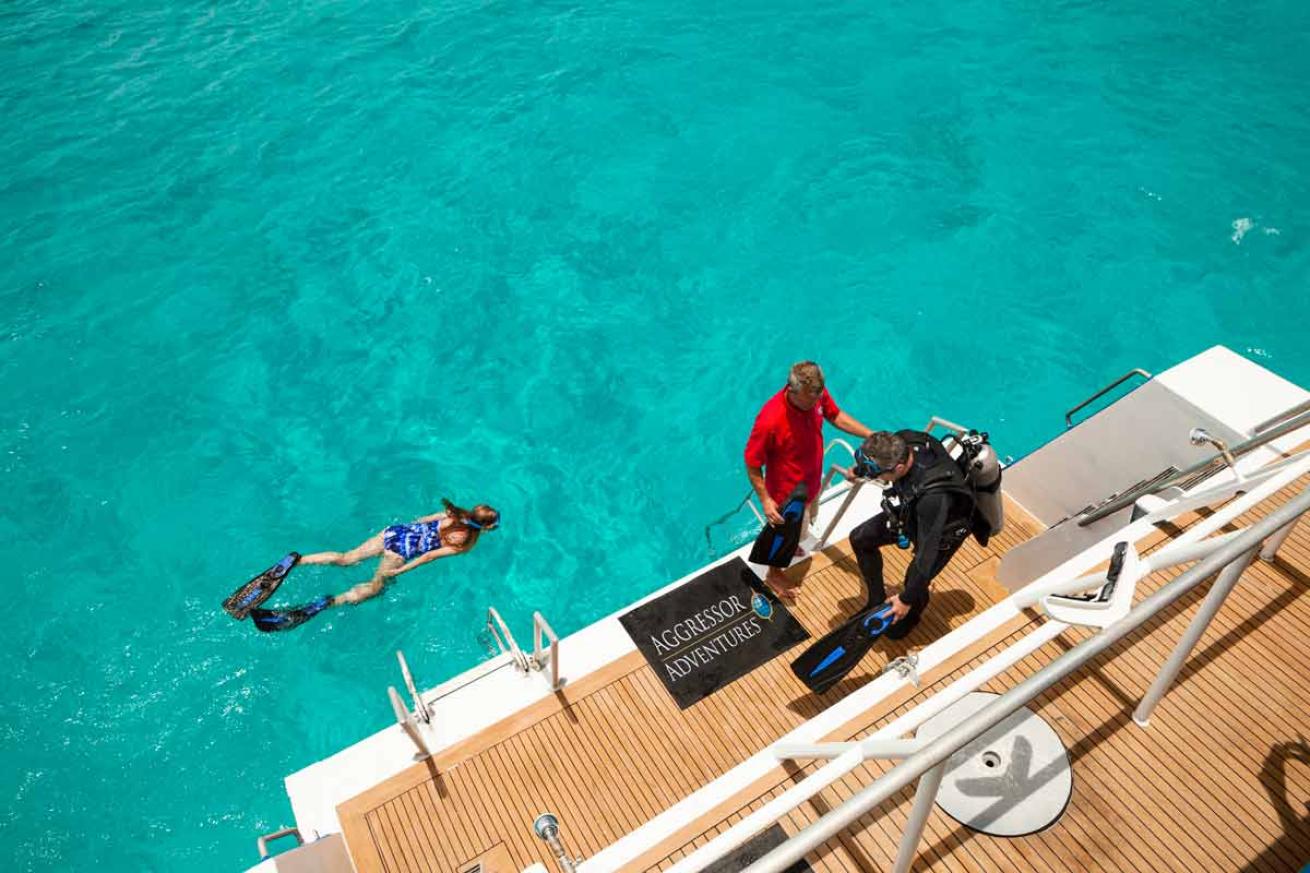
[{"x": 778, "y": 584}]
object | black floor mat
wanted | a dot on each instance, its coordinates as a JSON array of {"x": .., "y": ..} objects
[{"x": 710, "y": 631}]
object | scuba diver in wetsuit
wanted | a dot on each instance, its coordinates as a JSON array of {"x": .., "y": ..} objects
[
  {"x": 934, "y": 502},
  {"x": 931, "y": 505}
]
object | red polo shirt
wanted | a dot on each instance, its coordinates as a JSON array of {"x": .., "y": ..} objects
[{"x": 788, "y": 443}]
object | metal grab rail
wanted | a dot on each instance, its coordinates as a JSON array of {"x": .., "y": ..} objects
[
  {"x": 932, "y": 757},
  {"x": 1196, "y": 473},
  {"x": 551, "y": 656},
  {"x": 1303, "y": 406},
  {"x": 505, "y": 640},
  {"x": 745, "y": 501},
  {"x": 421, "y": 709},
  {"x": 958, "y": 429},
  {"x": 408, "y": 722},
  {"x": 262, "y": 842},
  {"x": 1135, "y": 371}
]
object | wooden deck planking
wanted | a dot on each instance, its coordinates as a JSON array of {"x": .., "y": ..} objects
[
  {"x": 1114, "y": 759},
  {"x": 631, "y": 752}
]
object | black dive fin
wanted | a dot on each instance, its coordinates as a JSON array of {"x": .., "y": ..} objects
[
  {"x": 775, "y": 546},
  {"x": 259, "y": 589},
  {"x": 827, "y": 661},
  {"x": 289, "y": 617}
]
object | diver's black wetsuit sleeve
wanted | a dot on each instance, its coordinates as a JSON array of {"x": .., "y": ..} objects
[{"x": 930, "y": 512}]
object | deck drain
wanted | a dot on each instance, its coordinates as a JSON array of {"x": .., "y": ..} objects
[{"x": 1013, "y": 780}]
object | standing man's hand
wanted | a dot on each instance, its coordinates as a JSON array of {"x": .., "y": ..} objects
[
  {"x": 771, "y": 510},
  {"x": 900, "y": 608}
]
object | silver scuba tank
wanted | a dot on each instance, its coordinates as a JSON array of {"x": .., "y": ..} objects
[{"x": 984, "y": 474}]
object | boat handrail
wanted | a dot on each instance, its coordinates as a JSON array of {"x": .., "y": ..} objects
[
  {"x": 1189, "y": 547},
  {"x": 1198, "y": 472},
  {"x": 958, "y": 429},
  {"x": 262, "y": 842},
  {"x": 421, "y": 709},
  {"x": 551, "y": 656},
  {"x": 1135, "y": 371},
  {"x": 1229, "y": 558},
  {"x": 408, "y": 722},
  {"x": 1303, "y": 406},
  {"x": 505, "y": 640}
]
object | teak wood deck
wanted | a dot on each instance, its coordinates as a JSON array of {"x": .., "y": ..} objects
[{"x": 1220, "y": 781}]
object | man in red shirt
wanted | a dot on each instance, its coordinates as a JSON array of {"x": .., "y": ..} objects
[{"x": 786, "y": 448}]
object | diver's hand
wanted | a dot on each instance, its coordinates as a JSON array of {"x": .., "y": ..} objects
[
  {"x": 771, "y": 511},
  {"x": 900, "y": 608}
]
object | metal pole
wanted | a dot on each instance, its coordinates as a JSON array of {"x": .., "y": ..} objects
[
  {"x": 421, "y": 709},
  {"x": 841, "y": 510},
  {"x": 539, "y": 626},
  {"x": 1275, "y": 542},
  {"x": 924, "y": 798},
  {"x": 872, "y": 747},
  {"x": 1029, "y": 689},
  {"x": 407, "y": 723},
  {"x": 1209, "y": 607}
]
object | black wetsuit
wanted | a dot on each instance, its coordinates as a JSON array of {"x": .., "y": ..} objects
[{"x": 937, "y": 519}]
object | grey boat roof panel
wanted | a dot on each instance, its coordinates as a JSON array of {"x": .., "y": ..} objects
[{"x": 1134, "y": 439}]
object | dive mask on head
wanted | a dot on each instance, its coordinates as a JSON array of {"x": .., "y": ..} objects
[
  {"x": 491, "y": 525},
  {"x": 865, "y": 466}
]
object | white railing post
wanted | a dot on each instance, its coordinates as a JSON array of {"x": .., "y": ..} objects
[
  {"x": 841, "y": 510},
  {"x": 505, "y": 640},
  {"x": 421, "y": 709},
  {"x": 924, "y": 797},
  {"x": 406, "y": 721},
  {"x": 539, "y": 660},
  {"x": 1214, "y": 599}
]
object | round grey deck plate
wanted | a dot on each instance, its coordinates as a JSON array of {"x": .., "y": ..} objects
[{"x": 1013, "y": 780}]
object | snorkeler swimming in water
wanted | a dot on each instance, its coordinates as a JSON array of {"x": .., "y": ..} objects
[
  {"x": 405, "y": 546},
  {"x": 400, "y": 548}
]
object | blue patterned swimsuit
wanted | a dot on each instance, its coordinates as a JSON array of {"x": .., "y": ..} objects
[{"x": 412, "y": 540}]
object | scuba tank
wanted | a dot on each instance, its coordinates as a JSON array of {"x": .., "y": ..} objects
[{"x": 983, "y": 470}]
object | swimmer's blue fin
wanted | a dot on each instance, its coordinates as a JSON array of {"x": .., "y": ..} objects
[
  {"x": 259, "y": 589},
  {"x": 291, "y": 616},
  {"x": 832, "y": 657}
]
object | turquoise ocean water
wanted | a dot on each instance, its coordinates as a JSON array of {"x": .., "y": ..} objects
[{"x": 273, "y": 276}]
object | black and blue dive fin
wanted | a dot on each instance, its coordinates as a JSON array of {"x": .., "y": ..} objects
[
  {"x": 293, "y": 616},
  {"x": 776, "y": 545},
  {"x": 827, "y": 661},
  {"x": 259, "y": 589}
]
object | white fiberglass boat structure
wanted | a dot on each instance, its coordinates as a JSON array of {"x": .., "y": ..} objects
[{"x": 1117, "y": 681}]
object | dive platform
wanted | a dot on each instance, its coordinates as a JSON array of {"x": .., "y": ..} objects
[{"x": 1185, "y": 723}]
